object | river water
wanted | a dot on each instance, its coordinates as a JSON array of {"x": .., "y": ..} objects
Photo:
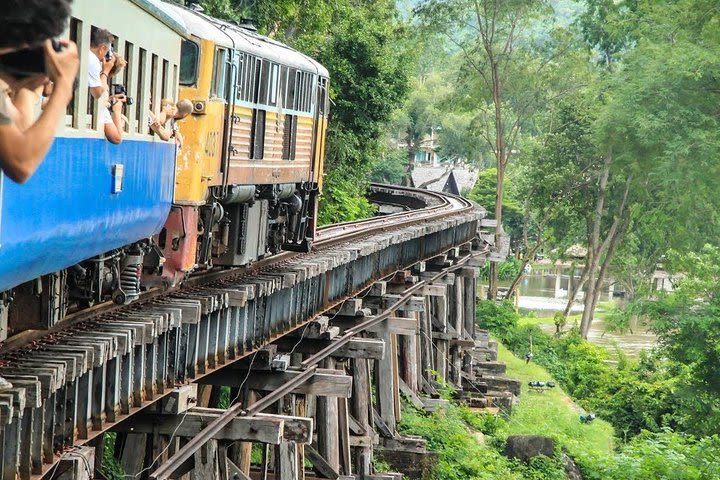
[{"x": 545, "y": 292}]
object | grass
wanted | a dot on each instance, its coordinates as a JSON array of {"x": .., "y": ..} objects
[
  {"x": 452, "y": 433},
  {"x": 602, "y": 309},
  {"x": 535, "y": 320},
  {"x": 553, "y": 413}
]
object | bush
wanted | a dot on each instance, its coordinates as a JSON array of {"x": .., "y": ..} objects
[
  {"x": 666, "y": 454},
  {"x": 498, "y": 317},
  {"x": 507, "y": 270},
  {"x": 461, "y": 456},
  {"x": 633, "y": 398}
]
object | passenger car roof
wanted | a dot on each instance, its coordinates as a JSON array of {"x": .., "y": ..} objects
[{"x": 159, "y": 10}]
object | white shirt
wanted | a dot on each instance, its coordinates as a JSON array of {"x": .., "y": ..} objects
[
  {"x": 105, "y": 115},
  {"x": 94, "y": 71}
]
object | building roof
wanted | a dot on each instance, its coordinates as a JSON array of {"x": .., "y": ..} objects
[
  {"x": 444, "y": 178},
  {"x": 465, "y": 178}
]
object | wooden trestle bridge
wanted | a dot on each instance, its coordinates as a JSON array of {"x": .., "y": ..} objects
[{"x": 316, "y": 350}]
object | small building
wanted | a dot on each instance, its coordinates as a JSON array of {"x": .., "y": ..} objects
[{"x": 448, "y": 179}]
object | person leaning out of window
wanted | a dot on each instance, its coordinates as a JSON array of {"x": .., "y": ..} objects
[
  {"x": 170, "y": 112},
  {"x": 28, "y": 60},
  {"x": 103, "y": 64}
]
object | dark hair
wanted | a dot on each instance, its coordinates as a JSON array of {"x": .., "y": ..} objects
[
  {"x": 32, "y": 21},
  {"x": 99, "y": 37}
]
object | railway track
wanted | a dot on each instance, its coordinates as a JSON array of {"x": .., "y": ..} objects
[{"x": 71, "y": 383}]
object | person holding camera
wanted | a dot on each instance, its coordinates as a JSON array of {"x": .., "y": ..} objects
[
  {"x": 112, "y": 104},
  {"x": 101, "y": 61},
  {"x": 28, "y": 60},
  {"x": 103, "y": 65}
]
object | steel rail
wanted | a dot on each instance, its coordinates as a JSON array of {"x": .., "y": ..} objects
[{"x": 326, "y": 237}]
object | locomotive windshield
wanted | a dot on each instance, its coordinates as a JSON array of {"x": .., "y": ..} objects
[{"x": 189, "y": 53}]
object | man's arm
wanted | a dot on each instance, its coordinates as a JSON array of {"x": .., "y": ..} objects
[
  {"x": 21, "y": 152},
  {"x": 107, "y": 66},
  {"x": 161, "y": 131},
  {"x": 26, "y": 99},
  {"x": 114, "y": 130}
]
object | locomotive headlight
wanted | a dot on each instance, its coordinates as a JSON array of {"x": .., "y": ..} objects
[{"x": 199, "y": 107}]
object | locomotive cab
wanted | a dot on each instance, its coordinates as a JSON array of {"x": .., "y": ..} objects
[{"x": 248, "y": 175}]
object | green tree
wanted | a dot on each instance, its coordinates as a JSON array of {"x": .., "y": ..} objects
[
  {"x": 658, "y": 130},
  {"x": 369, "y": 74},
  {"x": 484, "y": 194},
  {"x": 687, "y": 322},
  {"x": 419, "y": 115},
  {"x": 502, "y": 79}
]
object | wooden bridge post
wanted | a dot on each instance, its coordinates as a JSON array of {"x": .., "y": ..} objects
[
  {"x": 361, "y": 410},
  {"x": 241, "y": 453},
  {"x": 458, "y": 310},
  {"x": 440, "y": 324},
  {"x": 289, "y": 460},
  {"x": 207, "y": 466},
  {"x": 427, "y": 359},
  {"x": 385, "y": 382},
  {"x": 327, "y": 426},
  {"x": 469, "y": 300},
  {"x": 409, "y": 355}
]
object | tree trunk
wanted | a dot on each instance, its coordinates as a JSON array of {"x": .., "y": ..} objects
[
  {"x": 575, "y": 288},
  {"x": 411, "y": 159},
  {"x": 594, "y": 247},
  {"x": 526, "y": 259},
  {"x": 615, "y": 235},
  {"x": 501, "y": 161},
  {"x": 609, "y": 246}
]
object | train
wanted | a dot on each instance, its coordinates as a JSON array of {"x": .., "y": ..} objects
[{"x": 100, "y": 222}]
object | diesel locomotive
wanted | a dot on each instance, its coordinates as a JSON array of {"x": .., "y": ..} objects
[{"x": 100, "y": 222}]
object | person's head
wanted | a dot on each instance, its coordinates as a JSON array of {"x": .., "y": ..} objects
[
  {"x": 25, "y": 23},
  {"x": 183, "y": 109},
  {"x": 100, "y": 42},
  {"x": 167, "y": 106},
  {"x": 120, "y": 63}
]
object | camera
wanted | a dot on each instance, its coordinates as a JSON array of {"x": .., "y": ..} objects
[
  {"x": 27, "y": 62},
  {"x": 119, "y": 89}
]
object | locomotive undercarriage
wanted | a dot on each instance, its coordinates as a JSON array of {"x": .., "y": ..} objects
[
  {"x": 114, "y": 276},
  {"x": 248, "y": 223},
  {"x": 243, "y": 225}
]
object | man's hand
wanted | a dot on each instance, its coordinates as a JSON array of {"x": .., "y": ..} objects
[
  {"x": 109, "y": 64},
  {"x": 117, "y": 102},
  {"x": 62, "y": 66}
]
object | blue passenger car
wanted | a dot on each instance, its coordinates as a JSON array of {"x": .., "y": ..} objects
[
  {"x": 88, "y": 197},
  {"x": 81, "y": 224}
]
